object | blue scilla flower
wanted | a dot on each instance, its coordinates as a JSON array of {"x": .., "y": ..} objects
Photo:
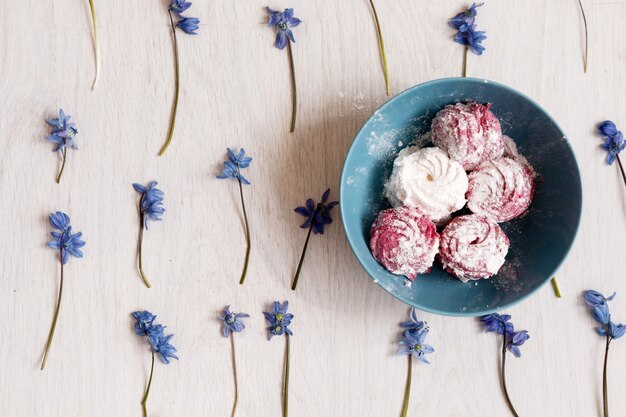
[
  {"x": 467, "y": 34},
  {"x": 61, "y": 143},
  {"x": 62, "y": 135},
  {"x": 613, "y": 140},
  {"x": 155, "y": 334},
  {"x": 150, "y": 208},
  {"x": 61, "y": 124},
  {"x": 279, "y": 319},
  {"x": 144, "y": 321},
  {"x": 613, "y": 145},
  {"x": 67, "y": 243},
  {"x": 599, "y": 307},
  {"x": 594, "y": 298},
  {"x": 497, "y": 323},
  {"x": 412, "y": 343},
  {"x": 464, "y": 20},
  {"x": 317, "y": 215},
  {"x": 511, "y": 342},
  {"x": 600, "y": 313},
  {"x": 161, "y": 345},
  {"x": 234, "y": 165},
  {"x": 179, "y": 6},
  {"x": 145, "y": 326},
  {"x": 471, "y": 38},
  {"x": 612, "y": 330},
  {"x": 607, "y": 128},
  {"x": 413, "y": 325},
  {"x": 283, "y": 22},
  {"x": 232, "y": 322},
  {"x": 64, "y": 240},
  {"x": 517, "y": 340},
  {"x": 232, "y": 169},
  {"x": 189, "y": 25},
  {"x": 500, "y": 324},
  {"x": 59, "y": 221},
  {"x": 151, "y": 202}
]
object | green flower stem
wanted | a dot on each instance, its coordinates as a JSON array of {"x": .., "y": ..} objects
[
  {"x": 555, "y": 286},
  {"x": 294, "y": 90},
  {"x": 54, "y": 318},
  {"x": 464, "y": 74},
  {"x": 139, "y": 247},
  {"x": 286, "y": 380},
  {"x": 232, "y": 347},
  {"x": 605, "y": 394},
  {"x": 62, "y": 165},
  {"x": 96, "y": 48},
  {"x": 586, "y": 55},
  {"x": 621, "y": 168},
  {"x": 407, "y": 389},
  {"x": 245, "y": 219},
  {"x": 306, "y": 243},
  {"x": 170, "y": 132},
  {"x": 381, "y": 44},
  {"x": 503, "y": 374},
  {"x": 144, "y": 400}
]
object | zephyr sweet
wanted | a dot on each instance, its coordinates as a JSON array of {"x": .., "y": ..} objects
[
  {"x": 473, "y": 247},
  {"x": 470, "y": 133},
  {"x": 404, "y": 241},
  {"x": 501, "y": 189},
  {"x": 429, "y": 180}
]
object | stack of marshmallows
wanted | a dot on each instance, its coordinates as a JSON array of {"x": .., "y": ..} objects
[{"x": 471, "y": 165}]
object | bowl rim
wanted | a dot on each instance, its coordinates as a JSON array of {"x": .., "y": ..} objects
[{"x": 351, "y": 235}]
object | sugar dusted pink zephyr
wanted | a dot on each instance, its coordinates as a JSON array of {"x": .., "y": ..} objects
[
  {"x": 404, "y": 241},
  {"x": 501, "y": 189},
  {"x": 470, "y": 133},
  {"x": 473, "y": 247}
]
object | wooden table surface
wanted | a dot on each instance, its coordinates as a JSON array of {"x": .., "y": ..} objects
[{"x": 235, "y": 92}]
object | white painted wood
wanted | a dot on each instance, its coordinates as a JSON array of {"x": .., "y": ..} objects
[{"x": 235, "y": 92}]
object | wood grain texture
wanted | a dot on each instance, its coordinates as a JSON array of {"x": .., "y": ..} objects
[{"x": 235, "y": 92}]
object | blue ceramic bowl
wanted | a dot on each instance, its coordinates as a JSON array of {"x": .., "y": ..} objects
[{"x": 539, "y": 240}]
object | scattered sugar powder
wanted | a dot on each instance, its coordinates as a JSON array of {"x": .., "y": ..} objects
[
  {"x": 421, "y": 140},
  {"x": 382, "y": 146}
]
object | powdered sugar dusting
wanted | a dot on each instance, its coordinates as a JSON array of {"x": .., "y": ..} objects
[
  {"x": 381, "y": 146},
  {"x": 385, "y": 145},
  {"x": 510, "y": 150}
]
